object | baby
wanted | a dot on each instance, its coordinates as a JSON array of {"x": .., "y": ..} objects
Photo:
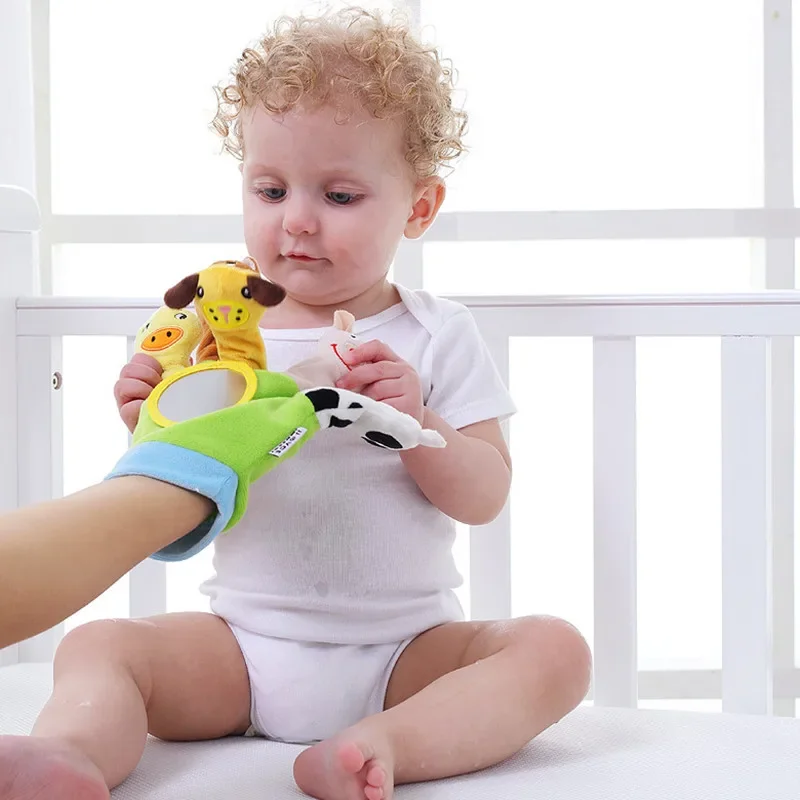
[{"x": 335, "y": 623}]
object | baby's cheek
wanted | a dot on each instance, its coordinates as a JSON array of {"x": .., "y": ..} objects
[{"x": 260, "y": 230}]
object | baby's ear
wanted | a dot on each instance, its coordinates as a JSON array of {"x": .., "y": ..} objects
[
  {"x": 428, "y": 198},
  {"x": 182, "y": 293}
]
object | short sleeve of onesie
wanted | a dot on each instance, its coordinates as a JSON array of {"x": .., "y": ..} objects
[{"x": 466, "y": 386}]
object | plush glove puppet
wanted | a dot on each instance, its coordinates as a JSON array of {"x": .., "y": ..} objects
[
  {"x": 170, "y": 337},
  {"x": 215, "y": 427},
  {"x": 221, "y": 453}
]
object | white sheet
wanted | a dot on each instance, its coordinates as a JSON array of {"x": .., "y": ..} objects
[{"x": 594, "y": 754}]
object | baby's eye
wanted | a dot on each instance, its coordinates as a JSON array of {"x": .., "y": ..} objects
[
  {"x": 273, "y": 193},
  {"x": 341, "y": 198},
  {"x": 181, "y": 316}
]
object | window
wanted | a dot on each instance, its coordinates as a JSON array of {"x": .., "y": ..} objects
[
  {"x": 608, "y": 105},
  {"x": 139, "y": 142}
]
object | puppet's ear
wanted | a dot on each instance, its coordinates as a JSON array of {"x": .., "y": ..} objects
[
  {"x": 182, "y": 293},
  {"x": 343, "y": 320},
  {"x": 264, "y": 292}
]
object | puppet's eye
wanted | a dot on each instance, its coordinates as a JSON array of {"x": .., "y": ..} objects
[
  {"x": 246, "y": 292},
  {"x": 147, "y": 326},
  {"x": 200, "y": 291},
  {"x": 181, "y": 316}
]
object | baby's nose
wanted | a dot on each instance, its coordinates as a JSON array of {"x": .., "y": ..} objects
[{"x": 299, "y": 217}]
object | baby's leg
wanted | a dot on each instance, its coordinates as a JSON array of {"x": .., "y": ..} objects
[
  {"x": 462, "y": 697},
  {"x": 178, "y": 676}
]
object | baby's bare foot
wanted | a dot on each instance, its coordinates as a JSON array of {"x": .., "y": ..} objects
[
  {"x": 47, "y": 769},
  {"x": 346, "y": 767}
]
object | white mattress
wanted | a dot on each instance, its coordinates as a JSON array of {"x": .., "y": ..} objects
[{"x": 594, "y": 754}]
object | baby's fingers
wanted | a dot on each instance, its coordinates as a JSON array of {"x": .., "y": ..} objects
[
  {"x": 372, "y": 351},
  {"x": 148, "y": 361},
  {"x": 129, "y": 413},
  {"x": 141, "y": 371},
  {"x": 367, "y": 374},
  {"x": 127, "y": 389}
]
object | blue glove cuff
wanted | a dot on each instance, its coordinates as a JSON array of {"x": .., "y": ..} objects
[{"x": 189, "y": 470}]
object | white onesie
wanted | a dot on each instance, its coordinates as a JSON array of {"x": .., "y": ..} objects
[{"x": 339, "y": 545}]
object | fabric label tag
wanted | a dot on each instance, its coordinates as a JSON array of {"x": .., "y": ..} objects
[{"x": 288, "y": 442}]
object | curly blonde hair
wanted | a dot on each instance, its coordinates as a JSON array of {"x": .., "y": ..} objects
[{"x": 350, "y": 53}]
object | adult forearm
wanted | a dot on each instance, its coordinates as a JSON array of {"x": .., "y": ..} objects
[
  {"x": 468, "y": 480},
  {"x": 58, "y": 556}
]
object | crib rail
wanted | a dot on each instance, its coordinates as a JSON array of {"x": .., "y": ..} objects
[{"x": 757, "y": 333}]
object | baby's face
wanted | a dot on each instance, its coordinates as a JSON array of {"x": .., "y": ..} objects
[{"x": 325, "y": 203}]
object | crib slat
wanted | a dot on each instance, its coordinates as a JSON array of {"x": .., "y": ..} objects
[
  {"x": 39, "y": 454},
  {"x": 147, "y": 582},
  {"x": 746, "y": 528},
  {"x": 782, "y": 442},
  {"x": 615, "y": 611},
  {"x": 490, "y": 545}
]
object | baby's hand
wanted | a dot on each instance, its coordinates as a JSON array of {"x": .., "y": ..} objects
[
  {"x": 136, "y": 380},
  {"x": 379, "y": 373}
]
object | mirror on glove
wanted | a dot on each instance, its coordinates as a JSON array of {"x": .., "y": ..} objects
[{"x": 201, "y": 389}]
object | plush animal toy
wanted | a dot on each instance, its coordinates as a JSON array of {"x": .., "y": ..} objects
[
  {"x": 216, "y": 426},
  {"x": 230, "y": 297},
  {"x": 219, "y": 455},
  {"x": 170, "y": 337},
  {"x": 327, "y": 365}
]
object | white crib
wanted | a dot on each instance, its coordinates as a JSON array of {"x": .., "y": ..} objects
[
  {"x": 610, "y": 749},
  {"x": 606, "y": 749}
]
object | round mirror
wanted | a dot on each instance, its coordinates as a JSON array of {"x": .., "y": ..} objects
[{"x": 200, "y": 390}]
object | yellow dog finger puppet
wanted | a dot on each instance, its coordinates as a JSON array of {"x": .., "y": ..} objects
[
  {"x": 230, "y": 297},
  {"x": 170, "y": 336}
]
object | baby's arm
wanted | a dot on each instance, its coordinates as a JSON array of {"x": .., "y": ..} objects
[{"x": 469, "y": 480}]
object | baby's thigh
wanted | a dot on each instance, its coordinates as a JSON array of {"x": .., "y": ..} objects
[{"x": 188, "y": 667}]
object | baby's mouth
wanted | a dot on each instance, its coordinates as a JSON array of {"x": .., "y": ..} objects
[{"x": 302, "y": 258}]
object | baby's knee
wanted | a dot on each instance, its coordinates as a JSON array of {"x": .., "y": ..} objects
[
  {"x": 560, "y": 653},
  {"x": 103, "y": 644}
]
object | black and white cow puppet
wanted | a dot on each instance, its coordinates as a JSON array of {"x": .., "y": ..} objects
[{"x": 378, "y": 423}]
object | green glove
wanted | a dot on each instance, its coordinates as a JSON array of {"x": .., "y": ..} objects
[{"x": 220, "y": 454}]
